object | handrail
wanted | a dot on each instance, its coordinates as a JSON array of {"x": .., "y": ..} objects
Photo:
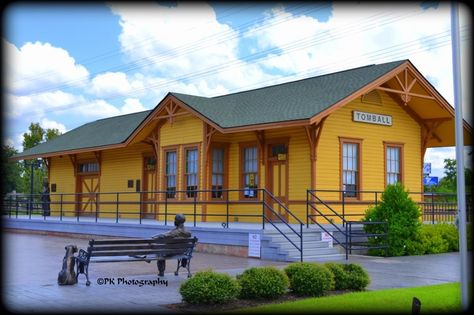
[
  {"x": 347, "y": 232},
  {"x": 188, "y": 197}
]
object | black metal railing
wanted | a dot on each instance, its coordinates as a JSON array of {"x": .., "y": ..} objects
[
  {"x": 348, "y": 238},
  {"x": 158, "y": 205},
  {"x": 435, "y": 207}
]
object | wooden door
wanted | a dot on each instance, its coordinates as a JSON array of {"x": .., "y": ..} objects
[
  {"x": 277, "y": 181},
  {"x": 87, "y": 195},
  {"x": 149, "y": 195}
]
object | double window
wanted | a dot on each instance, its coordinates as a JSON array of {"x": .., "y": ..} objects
[{"x": 88, "y": 167}]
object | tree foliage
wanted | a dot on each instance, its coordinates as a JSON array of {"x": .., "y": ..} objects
[
  {"x": 35, "y": 135},
  {"x": 10, "y": 170}
]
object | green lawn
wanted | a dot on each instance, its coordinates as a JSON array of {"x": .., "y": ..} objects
[{"x": 435, "y": 298}]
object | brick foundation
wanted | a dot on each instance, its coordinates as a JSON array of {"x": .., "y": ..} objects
[{"x": 231, "y": 250}]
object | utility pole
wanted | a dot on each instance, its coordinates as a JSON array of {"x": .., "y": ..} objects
[{"x": 459, "y": 154}]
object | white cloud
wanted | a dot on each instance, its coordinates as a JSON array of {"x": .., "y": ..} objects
[
  {"x": 37, "y": 67},
  {"x": 39, "y": 104},
  {"x": 132, "y": 105},
  {"x": 114, "y": 84},
  {"x": 181, "y": 48},
  {"x": 46, "y": 123}
]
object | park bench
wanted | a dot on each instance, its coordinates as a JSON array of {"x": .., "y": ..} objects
[{"x": 125, "y": 250}]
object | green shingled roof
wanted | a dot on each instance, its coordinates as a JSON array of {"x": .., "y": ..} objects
[
  {"x": 285, "y": 102},
  {"x": 94, "y": 134},
  {"x": 295, "y": 100}
]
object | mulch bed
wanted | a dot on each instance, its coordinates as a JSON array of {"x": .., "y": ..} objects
[{"x": 238, "y": 304}]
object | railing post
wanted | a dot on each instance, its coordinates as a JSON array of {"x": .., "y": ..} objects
[
  {"x": 16, "y": 206},
  {"x": 347, "y": 256},
  {"x": 343, "y": 209},
  {"x": 79, "y": 203},
  {"x": 432, "y": 208},
  {"x": 96, "y": 206},
  {"x": 263, "y": 209},
  {"x": 116, "y": 208},
  {"x": 30, "y": 206},
  {"x": 10, "y": 207},
  {"x": 195, "y": 194},
  {"x": 227, "y": 210},
  {"x": 350, "y": 236},
  {"x": 166, "y": 208},
  {"x": 61, "y": 208},
  {"x": 307, "y": 208},
  {"x": 301, "y": 241},
  {"x": 141, "y": 206}
]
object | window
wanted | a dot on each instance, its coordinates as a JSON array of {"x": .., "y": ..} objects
[
  {"x": 217, "y": 177},
  {"x": 350, "y": 168},
  {"x": 393, "y": 163},
  {"x": 250, "y": 172},
  {"x": 150, "y": 163},
  {"x": 89, "y": 167},
  {"x": 170, "y": 174},
  {"x": 191, "y": 172}
]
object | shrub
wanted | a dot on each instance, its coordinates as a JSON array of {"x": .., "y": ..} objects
[
  {"x": 450, "y": 234},
  {"x": 208, "y": 287},
  {"x": 432, "y": 241},
  {"x": 310, "y": 279},
  {"x": 357, "y": 278},
  {"x": 263, "y": 283},
  {"x": 402, "y": 215},
  {"x": 340, "y": 275}
]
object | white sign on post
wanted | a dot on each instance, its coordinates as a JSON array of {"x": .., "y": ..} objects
[
  {"x": 327, "y": 237},
  {"x": 254, "y": 245}
]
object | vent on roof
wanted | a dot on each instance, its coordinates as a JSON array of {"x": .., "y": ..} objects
[{"x": 373, "y": 97}]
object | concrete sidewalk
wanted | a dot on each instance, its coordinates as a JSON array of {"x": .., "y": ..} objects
[{"x": 32, "y": 262}]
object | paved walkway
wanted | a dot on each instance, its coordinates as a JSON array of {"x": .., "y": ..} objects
[{"x": 33, "y": 262}]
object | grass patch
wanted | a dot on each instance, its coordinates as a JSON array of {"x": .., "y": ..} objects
[{"x": 443, "y": 298}]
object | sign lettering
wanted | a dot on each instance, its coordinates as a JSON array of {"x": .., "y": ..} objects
[{"x": 371, "y": 118}]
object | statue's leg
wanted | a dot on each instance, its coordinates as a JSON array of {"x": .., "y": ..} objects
[
  {"x": 189, "y": 268},
  {"x": 161, "y": 263},
  {"x": 88, "y": 283},
  {"x": 177, "y": 269}
]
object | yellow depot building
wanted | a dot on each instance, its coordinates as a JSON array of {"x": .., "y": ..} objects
[{"x": 254, "y": 154}]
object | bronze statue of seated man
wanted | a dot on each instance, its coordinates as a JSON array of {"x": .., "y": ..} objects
[{"x": 178, "y": 231}]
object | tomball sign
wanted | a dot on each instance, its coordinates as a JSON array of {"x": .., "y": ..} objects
[{"x": 371, "y": 118}]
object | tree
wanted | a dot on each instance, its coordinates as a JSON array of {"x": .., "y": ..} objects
[
  {"x": 10, "y": 171},
  {"x": 449, "y": 182},
  {"x": 35, "y": 135}
]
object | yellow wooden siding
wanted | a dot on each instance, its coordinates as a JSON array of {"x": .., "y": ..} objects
[
  {"x": 119, "y": 166},
  {"x": 62, "y": 174},
  {"x": 339, "y": 124}
]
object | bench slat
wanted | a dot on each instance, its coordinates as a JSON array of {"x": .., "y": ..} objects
[
  {"x": 139, "y": 252},
  {"x": 144, "y": 241},
  {"x": 139, "y": 247},
  {"x": 109, "y": 259}
]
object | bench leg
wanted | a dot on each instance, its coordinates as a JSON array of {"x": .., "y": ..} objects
[{"x": 188, "y": 267}]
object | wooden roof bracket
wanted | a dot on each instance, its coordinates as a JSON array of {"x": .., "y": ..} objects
[
  {"x": 405, "y": 93},
  {"x": 313, "y": 133}
]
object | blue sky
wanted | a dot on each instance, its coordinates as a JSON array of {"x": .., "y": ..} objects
[{"x": 67, "y": 64}]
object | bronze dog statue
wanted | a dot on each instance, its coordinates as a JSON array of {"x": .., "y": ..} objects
[{"x": 67, "y": 276}]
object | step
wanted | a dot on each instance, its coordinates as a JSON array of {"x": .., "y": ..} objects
[
  {"x": 319, "y": 258},
  {"x": 306, "y": 244},
  {"x": 313, "y": 252}
]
